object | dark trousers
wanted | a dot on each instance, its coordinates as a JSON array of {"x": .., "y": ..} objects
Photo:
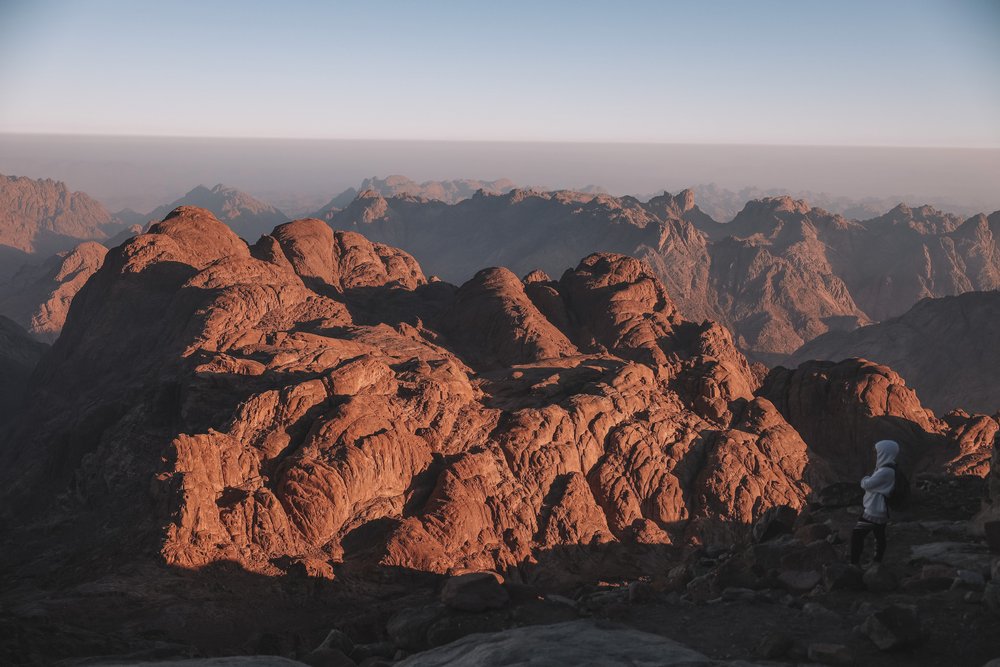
[{"x": 860, "y": 533}]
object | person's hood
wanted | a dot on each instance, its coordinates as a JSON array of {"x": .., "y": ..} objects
[{"x": 886, "y": 452}]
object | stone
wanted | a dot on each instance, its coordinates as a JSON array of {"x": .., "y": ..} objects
[
  {"x": 840, "y": 494},
  {"x": 968, "y": 580},
  {"x": 799, "y": 581},
  {"x": 407, "y": 628},
  {"x": 820, "y": 613},
  {"x": 813, "y": 556},
  {"x": 843, "y": 576},
  {"x": 896, "y": 626},
  {"x": 776, "y": 521},
  {"x": 474, "y": 591},
  {"x": 774, "y": 645},
  {"x": 830, "y": 654},
  {"x": 880, "y": 579},
  {"x": 701, "y": 589},
  {"x": 964, "y": 555},
  {"x": 455, "y": 626}
]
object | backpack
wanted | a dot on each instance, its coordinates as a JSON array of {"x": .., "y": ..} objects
[{"x": 900, "y": 490}]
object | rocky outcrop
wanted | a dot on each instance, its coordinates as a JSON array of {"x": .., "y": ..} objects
[
  {"x": 313, "y": 402},
  {"x": 945, "y": 349},
  {"x": 38, "y": 296},
  {"x": 865, "y": 402}
]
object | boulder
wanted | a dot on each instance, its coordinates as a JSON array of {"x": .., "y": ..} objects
[
  {"x": 408, "y": 628},
  {"x": 775, "y": 521},
  {"x": 774, "y": 645},
  {"x": 818, "y": 612},
  {"x": 968, "y": 580},
  {"x": 799, "y": 581},
  {"x": 896, "y": 626},
  {"x": 474, "y": 591},
  {"x": 880, "y": 579},
  {"x": 843, "y": 576},
  {"x": 839, "y": 494},
  {"x": 963, "y": 555},
  {"x": 455, "y": 626}
]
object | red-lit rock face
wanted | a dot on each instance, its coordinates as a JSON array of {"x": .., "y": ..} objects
[{"x": 314, "y": 391}]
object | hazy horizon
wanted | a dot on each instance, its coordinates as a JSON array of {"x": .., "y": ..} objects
[{"x": 301, "y": 175}]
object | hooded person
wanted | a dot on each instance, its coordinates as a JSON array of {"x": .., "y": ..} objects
[{"x": 877, "y": 486}]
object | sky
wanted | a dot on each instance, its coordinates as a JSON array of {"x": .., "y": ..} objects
[{"x": 845, "y": 73}]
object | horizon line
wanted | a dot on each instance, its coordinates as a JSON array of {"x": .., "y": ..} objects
[{"x": 488, "y": 141}]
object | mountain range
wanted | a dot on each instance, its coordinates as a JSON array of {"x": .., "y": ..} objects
[
  {"x": 778, "y": 275},
  {"x": 230, "y": 441}
]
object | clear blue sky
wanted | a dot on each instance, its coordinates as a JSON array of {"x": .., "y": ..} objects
[{"x": 904, "y": 73}]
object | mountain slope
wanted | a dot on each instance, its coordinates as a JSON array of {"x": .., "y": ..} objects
[
  {"x": 19, "y": 354},
  {"x": 778, "y": 275},
  {"x": 42, "y": 217},
  {"x": 250, "y": 218},
  {"x": 450, "y": 192},
  {"x": 946, "y": 348},
  {"x": 38, "y": 296}
]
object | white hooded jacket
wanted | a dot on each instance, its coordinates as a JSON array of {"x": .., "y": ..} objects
[{"x": 880, "y": 483}]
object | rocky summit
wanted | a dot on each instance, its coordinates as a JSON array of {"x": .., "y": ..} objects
[{"x": 312, "y": 423}]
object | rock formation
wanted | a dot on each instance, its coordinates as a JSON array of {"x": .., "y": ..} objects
[
  {"x": 779, "y": 274},
  {"x": 450, "y": 192},
  {"x": 38, "y": 296},
  {"x": 946, "y": 348},
  {"x": 250, "y": 218},
  {"x": 281, "y": 404},
  {"x": 42, "y": 217}
]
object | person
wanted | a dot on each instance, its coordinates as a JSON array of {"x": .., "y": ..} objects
[{"x": 875, "y": 516}]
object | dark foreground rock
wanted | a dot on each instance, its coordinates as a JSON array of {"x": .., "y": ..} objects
[{"x": 572, "y": 643}]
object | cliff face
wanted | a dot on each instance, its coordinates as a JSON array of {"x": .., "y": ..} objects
[
  {"x": 19, "y": 354},
  {"x": 946, "y": 348},
  {"x": 38, "y": 296},
  {"x": 292, "y": 400},
  {"x": 43, "y": 217}
]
